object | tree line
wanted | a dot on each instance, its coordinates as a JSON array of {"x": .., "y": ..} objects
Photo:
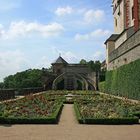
[
  {"x": 34, "y": 77},
  {"x": 24, "y": 79}
]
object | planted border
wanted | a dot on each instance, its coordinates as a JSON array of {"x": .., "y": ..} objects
[
  {"x": 77, "y": 113},
  {"x": 53, "y": 119},
  {"x": 82, "y": 120}
]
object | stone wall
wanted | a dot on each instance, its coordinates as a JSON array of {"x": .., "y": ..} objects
[
  {"x": 128, "y": 57},
  {"x": 127, "y": 52},
  {"x": 80, "y": 69},
  {"x": 139, "y": 11},
  {"x": 120, "y": 40}
]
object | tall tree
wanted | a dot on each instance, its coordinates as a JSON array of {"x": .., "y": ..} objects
[
  {"x": 25, "y": 79},
  {"x": 83, "y": 61}
]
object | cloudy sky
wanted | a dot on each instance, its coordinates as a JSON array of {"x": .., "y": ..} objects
[{"x": 34, "y": 32}]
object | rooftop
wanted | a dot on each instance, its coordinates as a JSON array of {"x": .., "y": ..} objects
[
  {"x": 60, "y": 60},
  {"x": 113, "y": 37}
]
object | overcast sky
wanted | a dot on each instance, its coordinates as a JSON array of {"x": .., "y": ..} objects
[{"x": 34, "y": 32}]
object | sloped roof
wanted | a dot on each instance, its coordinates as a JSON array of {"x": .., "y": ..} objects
[
  {"x": 113, "y": 37},
  {"x": 60, "y": 60}
]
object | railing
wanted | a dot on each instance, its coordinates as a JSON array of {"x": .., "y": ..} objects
[
  {"x": 6, "y": 94},
  {"x": 27, "y": 91},
  {"x": 128, "y": 45}
]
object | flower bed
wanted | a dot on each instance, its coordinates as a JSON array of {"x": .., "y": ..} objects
[
  {"x": 106, "y": 110},
  {"x": 69, "y": 97},
  {"x": 31, "y": 109}
]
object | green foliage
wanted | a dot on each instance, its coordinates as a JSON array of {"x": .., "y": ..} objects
[
  {"x": 93, "y": 65},
  {"x": 102, "y": 75},
  {"x": 32, "y": 109},
  {"x": 124, "y": 81},
  {"x": 102, "y": 109},
  {"x": 77, "y": 113},
  {"x": 83, "y": 61},
  {"x": 102, "y": 86},
  {"x": 133, "y": 120},
  {"x": 53, "y": 119},
  {"x": 1, "y": 85},
  {"x": 29, "y": 78}
]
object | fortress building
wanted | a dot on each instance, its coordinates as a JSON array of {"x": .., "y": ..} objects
[
  {"x": 73, "y": 76},
  {"x": 123, "y": 46}
]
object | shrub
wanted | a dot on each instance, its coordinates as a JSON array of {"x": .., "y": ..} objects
[
  {"x": 53, "y": 119},
  {"x": 124, "y": 81},
  {"x": 106, "y": 110},
  {"x": 102, "y": 86}
]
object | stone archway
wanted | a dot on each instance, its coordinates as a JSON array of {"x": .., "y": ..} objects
[
  {"x": 70, "y": 81},
  {"x": 57, "y": 80}
]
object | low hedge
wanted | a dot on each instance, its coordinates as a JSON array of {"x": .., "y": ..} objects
[
  {"x": 133, "y": 120},
  {"x": 53, "y": 119},
  {"x": 137, "y": 114},
  {"x": 83, "y": 120},
  {"x": 77, "y": 113}
]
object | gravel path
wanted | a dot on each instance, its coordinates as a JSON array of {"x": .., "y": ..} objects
[{"x": 69, "y": 129}]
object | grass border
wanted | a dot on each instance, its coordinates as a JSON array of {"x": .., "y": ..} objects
[{"x": 53, "y": 119}]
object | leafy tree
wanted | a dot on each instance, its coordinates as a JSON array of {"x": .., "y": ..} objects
[
  {"x": 1, "y": 85},
  {"x": 25, "y": 79},
  {"x": 94, "y": 66},
  {"x": 83, "y": 61}
]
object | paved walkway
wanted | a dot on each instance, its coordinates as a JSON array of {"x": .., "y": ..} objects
[{"x": 69, "y": 129}]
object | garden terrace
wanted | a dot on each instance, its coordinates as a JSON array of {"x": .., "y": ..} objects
[
  {"x": 101, "y": 109},
  {"x": 34, "y": 109},
  {"x": 90, "y": 108}
]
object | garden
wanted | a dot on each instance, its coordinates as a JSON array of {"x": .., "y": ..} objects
[
  {"x": 90, "y": 108},
  {"x": 32, "y": 109},
  {"x": 102, "y": 109}
]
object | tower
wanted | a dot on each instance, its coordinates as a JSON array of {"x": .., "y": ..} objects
[
  {"x": 122, "y": 47},
  {"x": 59, "y": 65},
  {"x": 126, "y": 14}
]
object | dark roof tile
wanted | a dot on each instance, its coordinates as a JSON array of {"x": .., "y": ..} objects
[{"x": 60, "y": 60}]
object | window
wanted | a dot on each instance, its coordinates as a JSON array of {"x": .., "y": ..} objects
[
  {"x": 58, "y": 71},
  {"x": 125, "y": 60},
  {"x": 133, "y": 12},
  {"x": 116, "y": 22},
  {"x": 119, "y": 11}
]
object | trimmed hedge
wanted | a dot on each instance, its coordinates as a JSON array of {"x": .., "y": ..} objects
[
  {"x": 137, "y": 114},
  {"x": 133, "y": 120},
  {"x": 124, "y": 81},
  {"x": 82, "y": 120},
  {"x": 102, "y": 86},
  {"x": 53, "y": 119},
  {"x": 77, "y": 113}
]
